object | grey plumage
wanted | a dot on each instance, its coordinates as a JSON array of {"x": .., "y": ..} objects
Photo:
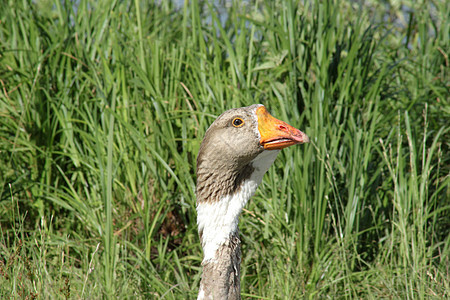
[
  {"x": 236, "y": 151},
  {"x": 225, "y": 153},
  {"x": 221, "y": 279}
]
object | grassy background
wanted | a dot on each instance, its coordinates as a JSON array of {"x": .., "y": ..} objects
[{"x": 103, "y": 106}]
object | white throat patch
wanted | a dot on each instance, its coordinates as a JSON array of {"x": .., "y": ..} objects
[{"x": 218, "y": 220}]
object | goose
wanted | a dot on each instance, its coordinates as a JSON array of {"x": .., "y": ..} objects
[{"x": 237, "y": 150}]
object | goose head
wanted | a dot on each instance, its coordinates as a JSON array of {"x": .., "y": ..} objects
[{"x": 238, "y": 148}]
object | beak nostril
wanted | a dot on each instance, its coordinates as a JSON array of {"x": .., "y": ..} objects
[{"x": 282, "y": 127}]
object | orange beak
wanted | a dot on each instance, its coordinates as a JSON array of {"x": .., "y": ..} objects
[{"x": 276, "y": 134}]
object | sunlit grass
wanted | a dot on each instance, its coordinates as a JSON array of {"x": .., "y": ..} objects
[{"x": 103, "y": 108}]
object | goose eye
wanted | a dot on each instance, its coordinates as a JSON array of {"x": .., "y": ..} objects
[{"x": 238, "y": 122}]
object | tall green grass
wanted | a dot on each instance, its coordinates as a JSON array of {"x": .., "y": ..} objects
[{"x": 103, "y": 107}]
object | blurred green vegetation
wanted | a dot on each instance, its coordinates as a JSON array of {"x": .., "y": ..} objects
[{"x": 103, "y": 105}]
